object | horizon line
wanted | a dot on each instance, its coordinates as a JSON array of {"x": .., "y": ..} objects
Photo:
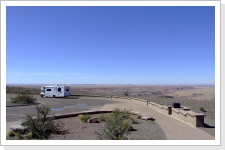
[{"x": 103, "y": 84}]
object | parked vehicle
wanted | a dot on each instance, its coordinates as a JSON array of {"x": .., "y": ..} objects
[{"x": 55, "y": 91}]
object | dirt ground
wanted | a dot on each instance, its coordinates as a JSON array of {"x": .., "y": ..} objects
[{"x": 74, "y": 129}]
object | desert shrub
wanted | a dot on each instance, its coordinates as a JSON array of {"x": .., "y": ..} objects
[
  {"x": 201, "y": 109},
  {"x": 84, "y": 118},
  {"x": 103, "y": 118},
  {"x": 31, "y": 135},
  {"x": 18, "y": 136},
  {"x": 118, "y": 123},
  {"x": 125, "y": 114},
  {"x": 81, "y": 116},
  {"x": 11, "y": 134},
  {"x": 127, "y": 124},
  {"x": 24, "y": 98},
  {"x": 41, "y": 124}
]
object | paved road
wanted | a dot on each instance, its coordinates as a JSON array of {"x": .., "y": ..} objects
[{"x": 57, "y": 106}]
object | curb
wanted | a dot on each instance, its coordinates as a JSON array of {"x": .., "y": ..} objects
[{"x": 59, "y": 116}]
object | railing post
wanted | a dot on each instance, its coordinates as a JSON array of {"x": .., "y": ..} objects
[{"x": 169, "y": 110}]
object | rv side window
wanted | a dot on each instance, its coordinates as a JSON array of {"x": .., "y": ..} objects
[
  {"x": 59, "y": 89},
  {"x": 48, "y": 89},
  {"x": 67, "y": 90}
]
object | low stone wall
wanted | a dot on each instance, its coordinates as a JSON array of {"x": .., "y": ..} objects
[
  {"x": 195, "y": 119},
  {"x": 184, "y": 114},
  {"x": 160, "y": 108}
]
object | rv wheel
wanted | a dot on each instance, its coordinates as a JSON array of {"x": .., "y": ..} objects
[{"x": 53, "y": 96}]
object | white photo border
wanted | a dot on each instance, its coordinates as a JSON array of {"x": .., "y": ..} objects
[{"x": 4, "y": 4}]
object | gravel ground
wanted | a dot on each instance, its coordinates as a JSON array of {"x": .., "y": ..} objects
[{"x": 76, "y": 130}]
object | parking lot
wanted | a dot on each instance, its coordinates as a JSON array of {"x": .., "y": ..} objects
[{"x": 57, "y": 106}]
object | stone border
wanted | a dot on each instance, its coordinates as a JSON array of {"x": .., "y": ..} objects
[{"x": 59, "y": 116}]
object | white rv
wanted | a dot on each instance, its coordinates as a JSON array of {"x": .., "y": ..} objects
[{"x": 55, "y": 91}]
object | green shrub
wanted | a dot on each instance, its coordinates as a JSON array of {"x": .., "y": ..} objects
[
  {"x": 127, "y": 124},
  {"x": 31, "y": 135},
  {"x": 124, "y": 114},
  {"x": 81, "y": 116},
  {"x": 103, "y": 118},
  {"x": 41, "y": 124},
  {"x": 18, "y": 136},
  {"x": 201, "y": 109},
  {"x": 11, "y": 134},
  {"x": 118, "y": 123},
  {"x": 24, "y": 98},
  {"x": 84, "y": 118}
]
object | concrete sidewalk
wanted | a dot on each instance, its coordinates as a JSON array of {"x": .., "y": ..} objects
[{"x": 173, "y": 128}]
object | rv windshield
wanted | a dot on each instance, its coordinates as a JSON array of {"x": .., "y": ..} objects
[{"x": 42, "y": 91}]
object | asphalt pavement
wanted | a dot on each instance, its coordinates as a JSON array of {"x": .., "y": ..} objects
[{"x": 15, "y": 112}]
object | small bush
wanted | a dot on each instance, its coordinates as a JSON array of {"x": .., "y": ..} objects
[
  {"x": 84, "y": 118},
  {"x": 81, "y": 116},
  {"x": 24, "y": 98},
  {"x": 18, "y": 136},
  {"x": 103, "y": 118},
  {"x": 202, "y": 109},
  {"x": 11, "y": 134},
  {"x": 41, "y": 124},
  {"x": 118, "y": 123},
  {"x": 31, "y": 135},
  {"x": 127, "y": 124}
]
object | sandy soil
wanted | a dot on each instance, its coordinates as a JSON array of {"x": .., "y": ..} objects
[{"x": 74, "y": 129}]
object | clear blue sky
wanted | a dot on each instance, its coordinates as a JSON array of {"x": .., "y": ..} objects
[{"x": 110, "y": 45}]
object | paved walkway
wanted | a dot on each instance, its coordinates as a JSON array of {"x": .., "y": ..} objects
[{"x": 173, "y": 128}]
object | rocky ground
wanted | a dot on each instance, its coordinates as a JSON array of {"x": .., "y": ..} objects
[{"x": 74, "y": 129}]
